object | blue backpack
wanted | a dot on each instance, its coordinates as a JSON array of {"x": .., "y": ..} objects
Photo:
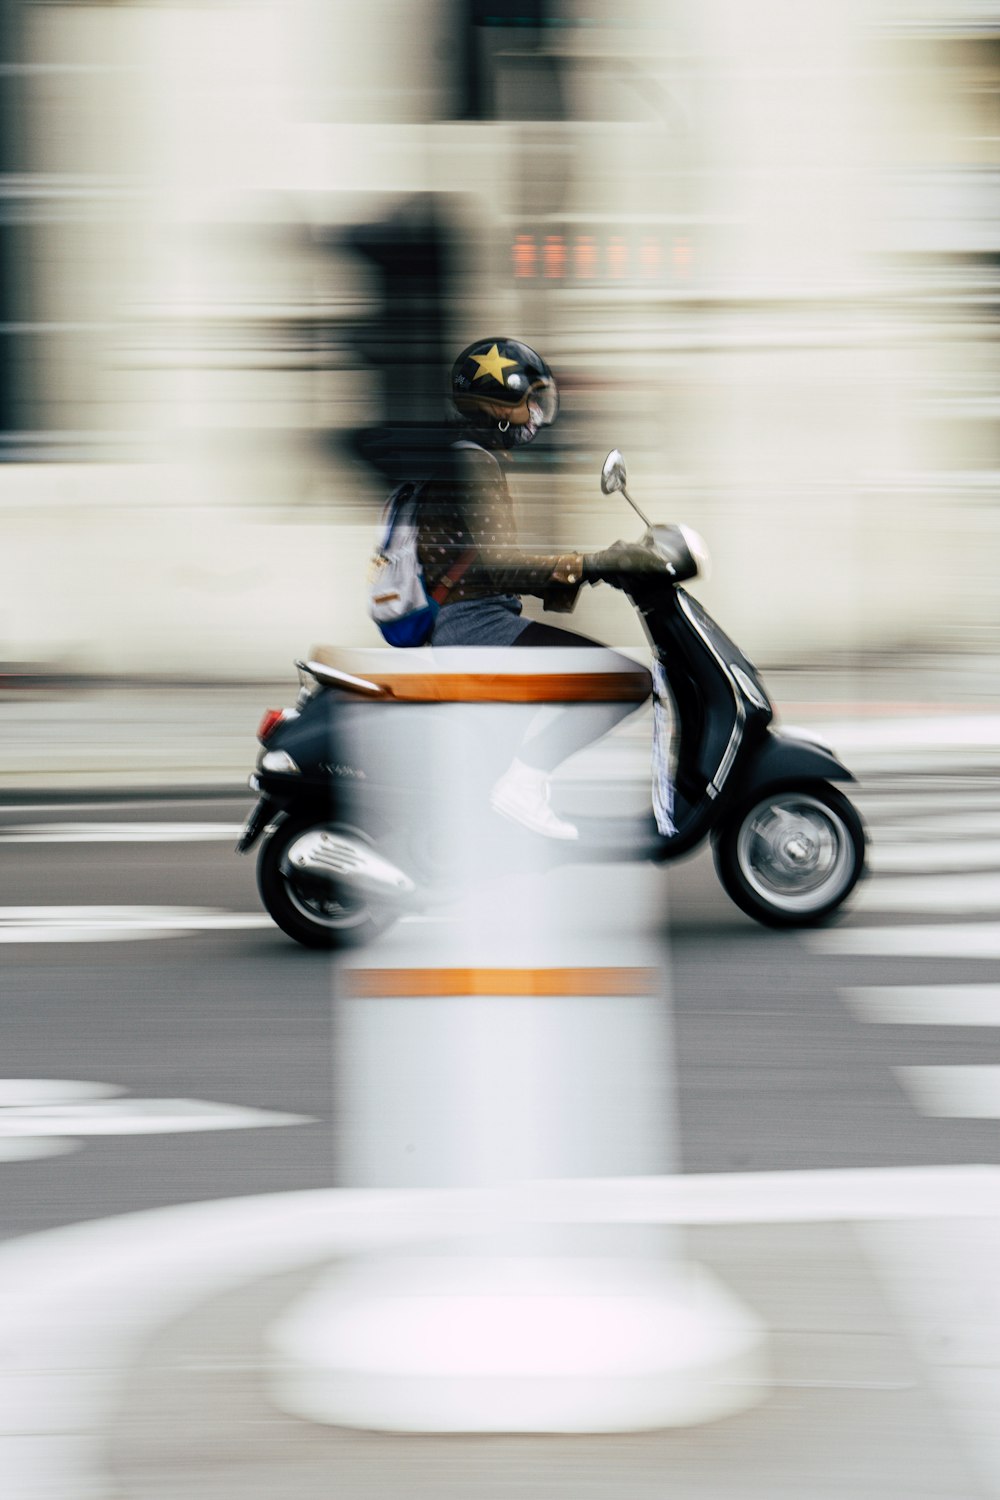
[{"x": 398, "y": 600}]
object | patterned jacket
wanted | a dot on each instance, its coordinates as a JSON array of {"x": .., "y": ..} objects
[{"x": 472, "y": 509}]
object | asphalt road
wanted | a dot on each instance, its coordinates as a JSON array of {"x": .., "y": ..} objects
[{"x": 784, "y": 1058}]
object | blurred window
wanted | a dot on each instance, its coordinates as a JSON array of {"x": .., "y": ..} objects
[
  {"x": 62, "y": 247},
  {"x": 634, "y": 253}
]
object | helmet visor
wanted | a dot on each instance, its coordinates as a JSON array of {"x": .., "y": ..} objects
[{"x": 543, "y": 403}]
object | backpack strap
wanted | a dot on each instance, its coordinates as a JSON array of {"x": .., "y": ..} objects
[
  {"x": 404, "y": 494},
  {"x": 440, "y": 593}
]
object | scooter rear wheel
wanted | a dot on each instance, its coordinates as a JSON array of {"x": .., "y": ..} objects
[
  {"x": 792, "y": 857},
  {"x": 315, "y": 913}
]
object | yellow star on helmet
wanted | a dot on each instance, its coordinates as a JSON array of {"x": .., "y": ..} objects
[{"x": 492, "y": 364}]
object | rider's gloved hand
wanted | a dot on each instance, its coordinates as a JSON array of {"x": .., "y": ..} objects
[
  {"x": 568, "y": 569},
  {"x": 620, "y": 558},
  {"x": 564, "y": 584}
]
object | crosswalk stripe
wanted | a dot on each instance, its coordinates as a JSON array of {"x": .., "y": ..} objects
[
  {"x": 966, "y": 893},
  {"x": 946, "y": 826},
  {"x": 99, "y": 924},
  {"x": 934, "y": 858},
  {"x": 973, "y": 940},
  {"x": 120, "y": 833},
  {"x": 35, "y": 1147},
  {"x": 926, "y": 1004},
  {"x": 924, "y": 732},
  {"x": 877, "y": 805},
  {"x": 22, "y": 1093},
  {"x": 968, "y": 1092},
  {"x": 137, "y": 1117}
]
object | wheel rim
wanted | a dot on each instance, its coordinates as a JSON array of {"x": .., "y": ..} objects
[
  {"x": 796, "y": 853},
  {"x": 326, "y": 909}
]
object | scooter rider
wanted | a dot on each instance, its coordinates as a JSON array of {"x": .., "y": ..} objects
[{"x": 503, "y": 393}]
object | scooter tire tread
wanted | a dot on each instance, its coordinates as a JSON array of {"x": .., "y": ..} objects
[{"x": 724, "y": 847}]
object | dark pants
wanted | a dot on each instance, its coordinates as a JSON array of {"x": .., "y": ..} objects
[{"x": 582, "y": 723}]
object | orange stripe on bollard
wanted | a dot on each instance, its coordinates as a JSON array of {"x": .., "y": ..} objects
[
  {"x": 406, "y": 984},
  {"x": 514, "y": 687}
]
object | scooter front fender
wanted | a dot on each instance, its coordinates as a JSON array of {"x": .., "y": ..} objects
[{"x": 789, "y": 755}]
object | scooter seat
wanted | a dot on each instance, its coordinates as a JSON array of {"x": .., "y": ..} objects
[{"x": 483, "y": 674}]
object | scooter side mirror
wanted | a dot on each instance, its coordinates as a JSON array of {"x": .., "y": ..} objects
[{"x": 613, "y": 475}]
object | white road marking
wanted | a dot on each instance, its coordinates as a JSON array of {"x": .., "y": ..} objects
[
  {"x": 110, "y": 805},
  {"x": 78, "y": 1303},
  {"x": 38, "y": 1114},
  {"x": 35, "y": 1147},
  {"x": 137, "y": 1117},
  {"x": 97, "y": 924},
  {"x": 944, "y": 826},
  {"x": 933, "y": 858},
  {"x": 927, "y": 733},
  {"x": 106, "y": 932},
  {"x": 903, "y": 804},
  {"x": 969, "y": 1091},
  {"x": 120, "y": 833},
  {"x": 927, "y": 1004},
  {"x": 973, "y": 940},
  {"x": 969, "y": 893},
  {"x": 18, "y": 1092}
]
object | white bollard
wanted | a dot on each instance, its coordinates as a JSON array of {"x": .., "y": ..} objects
[{"x": 524, "y": 1039}]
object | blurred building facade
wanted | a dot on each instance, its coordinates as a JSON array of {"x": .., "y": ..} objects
[{"x": 760, "y": 245}]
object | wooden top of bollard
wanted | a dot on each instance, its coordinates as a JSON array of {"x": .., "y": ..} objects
[{"x": 487, "y": 676}]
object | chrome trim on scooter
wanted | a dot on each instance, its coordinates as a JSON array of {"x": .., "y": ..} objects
[
  {"x": 331, "y": 677},
  {"x": 749, "y": 687},
  {"x": 350, "y": 861},
  {"x": 278, "y": 762},
  {"x": 729, "y": 756}
]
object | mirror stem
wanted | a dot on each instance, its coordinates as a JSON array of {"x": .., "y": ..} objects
[{"x": 635, "y": 507}]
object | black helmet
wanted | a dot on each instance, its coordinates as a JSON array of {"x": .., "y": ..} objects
[{"x": 504, "y": 372}]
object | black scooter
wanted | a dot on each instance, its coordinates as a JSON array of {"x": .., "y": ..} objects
[{"x": 350, "y": 842}]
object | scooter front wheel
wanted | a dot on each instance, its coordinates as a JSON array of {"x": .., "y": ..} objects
[
  {"x": 792, "y": 857},
  {"x": 316, "y": 913}
]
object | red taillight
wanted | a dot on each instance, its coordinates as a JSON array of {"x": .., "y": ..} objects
[{"x": 269, "y": 723}]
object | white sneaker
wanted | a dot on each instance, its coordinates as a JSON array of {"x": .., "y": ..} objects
[{"x": 522, "y": 794}]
